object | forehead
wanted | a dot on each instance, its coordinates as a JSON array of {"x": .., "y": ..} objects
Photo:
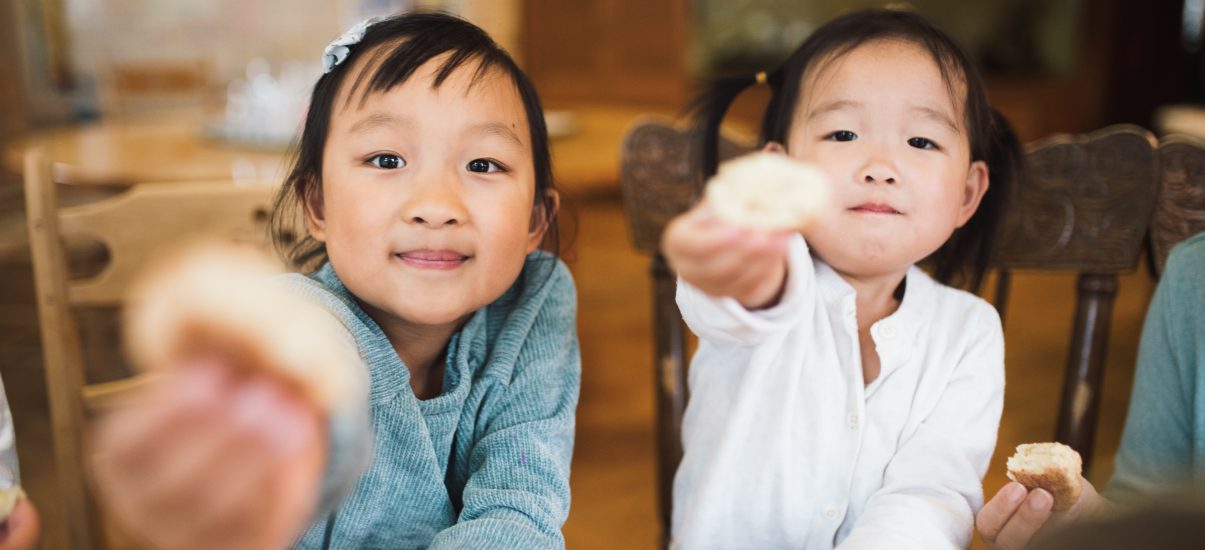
[
  {"x": 883, "y": 69},
  {"x": 470, "y": 89}
]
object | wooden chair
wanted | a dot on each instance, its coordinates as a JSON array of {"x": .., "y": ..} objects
[
  {"x": 132, "y": 226},
  {"x": 1180, "y": 210},
  {"x": 1084, "y": 205},
  {"x": 130, "y": 88},
  {"x": 659, "y": 180}
]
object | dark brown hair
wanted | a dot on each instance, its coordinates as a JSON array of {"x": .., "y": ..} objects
[
  {"x": 400, "y": 45},
  {"x": 962, "y": 260}
]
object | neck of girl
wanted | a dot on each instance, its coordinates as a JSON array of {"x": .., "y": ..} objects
[
  {"x": 422, "y": 348},
  {"x": 877, "y": 296}
]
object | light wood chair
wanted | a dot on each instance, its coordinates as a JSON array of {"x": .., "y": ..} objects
[
  {"x": 1180, "y": 210},
  {"x": 1084, "y": 205},
  {"x": 132, "y": 226}
]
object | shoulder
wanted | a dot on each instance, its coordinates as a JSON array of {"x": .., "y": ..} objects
[
  {"x": 544, "y": 284},
  {"x": 957, "y": 309},
  {"x": 1186, "y": 263}
]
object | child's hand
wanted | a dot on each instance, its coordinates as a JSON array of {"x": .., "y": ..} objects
[
  {"x": 209, "y": 459},
  {"x": 23, "y": 530},
  {"x": 1011, "y": 518},
  {"x": 723, "y": 259}
]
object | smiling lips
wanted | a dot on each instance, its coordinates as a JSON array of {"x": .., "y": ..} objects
[
  {"x": 875, "y": 208},
  {"x": 433, "y": 259}
]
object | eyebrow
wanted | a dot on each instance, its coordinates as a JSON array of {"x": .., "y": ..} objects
[
  {"x": 925, "y": 111},
  {"x": 497, "y": 129},
  {"x": 936, "y": 115},
  {"x": 377, "y": 120}
]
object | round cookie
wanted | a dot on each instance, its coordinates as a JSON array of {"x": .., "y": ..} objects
[
  {"x": 768, "y": 191},
  {"x": 218, "y": 299}
]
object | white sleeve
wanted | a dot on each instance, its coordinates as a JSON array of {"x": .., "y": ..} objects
[
  {"x": 725, "y": 321},
  {"x": 932, "y": 488}
]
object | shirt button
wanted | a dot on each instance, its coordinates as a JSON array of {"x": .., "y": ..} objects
[
  {"x": 853, "y": 421},
  {"x": 830, "y": 512},
  {"x": 887, "y": 330}
]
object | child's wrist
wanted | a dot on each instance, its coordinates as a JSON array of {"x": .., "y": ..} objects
[{"x": 769, "y": 293}]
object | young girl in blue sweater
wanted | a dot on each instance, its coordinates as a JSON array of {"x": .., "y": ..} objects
[{"x": 426, "y": 186}]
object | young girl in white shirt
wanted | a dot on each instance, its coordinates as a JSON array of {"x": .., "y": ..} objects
[{"x": 841, "y": 396}]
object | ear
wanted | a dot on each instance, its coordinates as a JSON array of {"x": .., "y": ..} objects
[
  {"x": 315, "y": 215},
  {"x": 978, "y": 180},
  {"x": 540, "y": 218},
  {"x": 774, "y": 147}
]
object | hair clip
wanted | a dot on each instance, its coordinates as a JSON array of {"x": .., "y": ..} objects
[
  {"x": 337, "y": 51},
  {"x": 761, "y": 78}
]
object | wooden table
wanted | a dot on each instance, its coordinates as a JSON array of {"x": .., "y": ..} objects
[{"x": 120, "y": 153}]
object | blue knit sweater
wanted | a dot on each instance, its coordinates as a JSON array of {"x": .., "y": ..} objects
[
  {"x": 1163, "y": 445},
  {"x": 486, "y": 463}
]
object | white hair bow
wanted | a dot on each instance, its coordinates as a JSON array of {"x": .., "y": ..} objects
[{"x": 337, "y": 51}]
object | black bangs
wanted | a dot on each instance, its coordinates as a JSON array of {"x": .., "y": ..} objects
[{"x": 424, "y": 36}]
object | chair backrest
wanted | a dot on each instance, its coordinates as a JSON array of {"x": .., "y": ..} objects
[
  {"x": 1084, "y": 204},
  {"x": 1180, "y": 210},
  {"x": 659, "y": 180},
  {"x": 132, "y": 226}
]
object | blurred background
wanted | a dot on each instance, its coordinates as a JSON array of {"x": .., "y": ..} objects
[{"x": 125, "y": 91}]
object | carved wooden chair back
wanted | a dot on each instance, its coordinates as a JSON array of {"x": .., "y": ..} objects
[
  {"x": 1084, "y": 204},
  {"x": 1180, "y": 210}
]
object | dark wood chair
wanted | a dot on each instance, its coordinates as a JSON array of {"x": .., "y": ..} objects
[
  {"x": 1180, "y": 210},
  {"x": 660, "y": 179},
  {"x": 1083, "y": 205}
]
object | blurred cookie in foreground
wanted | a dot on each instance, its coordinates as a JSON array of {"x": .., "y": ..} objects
[
  {"x": 218, "y": 299},
  {"x": 8, "y": 499},
  {"x": 768, "y": 191},
  {"x": 1051, "y": 466}
]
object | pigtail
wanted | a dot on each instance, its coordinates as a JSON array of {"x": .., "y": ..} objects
[
  {"x": 708, "y": 111},
  {"x": 965, "y": 259}
]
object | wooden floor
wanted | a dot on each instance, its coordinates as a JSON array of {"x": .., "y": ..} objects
[{"x": 612, "y": 479}]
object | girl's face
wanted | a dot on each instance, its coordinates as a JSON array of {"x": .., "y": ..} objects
[
  {"x": 427, "y": 195},
  {"x": 883, "y": 124}
]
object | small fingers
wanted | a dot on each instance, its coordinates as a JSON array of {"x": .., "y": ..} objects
[{"x": 1025, "y": 523}]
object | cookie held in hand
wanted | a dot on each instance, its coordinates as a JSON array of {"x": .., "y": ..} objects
[
  {"x": 8, "y": 500},
  {"x": 768, "y": 191},
  {"x": 1051, "y": 466},
  {"x": 219, "y": 299}
]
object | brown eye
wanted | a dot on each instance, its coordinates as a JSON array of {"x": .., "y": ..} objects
[
  {"x": 843, "y": 135},
  {"x": 387, "y": 162},
  {"x": 922, "y": 143},
  {"x": 483, "y": 166}
]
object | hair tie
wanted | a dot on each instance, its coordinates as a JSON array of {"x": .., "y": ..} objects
[
  {"x": 337, "y": 51},
  {"x": 760, "y": 78}
]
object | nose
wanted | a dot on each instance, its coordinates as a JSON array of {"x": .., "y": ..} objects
[
  {"x": 435, "y": 203},
  {"x": 878, "y": 169}
]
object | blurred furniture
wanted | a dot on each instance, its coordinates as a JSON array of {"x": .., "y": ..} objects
[
  {"x": 1180, "y": 210},
  {"x": 132, "y": 226},
  {"x": 173, "y": 147},
  {"x": 137, "y": 88},
  {"x": 660, "y": 180}
]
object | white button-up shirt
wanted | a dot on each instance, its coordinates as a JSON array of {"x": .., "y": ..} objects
[{"x": 786, "y": 447}]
